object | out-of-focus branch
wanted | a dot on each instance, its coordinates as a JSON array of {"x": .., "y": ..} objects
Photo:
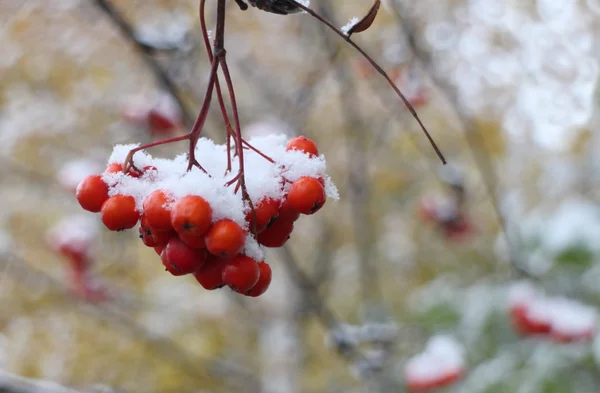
[
  {"x": 358, "y": 173},
  {"x": 472, "y": 135},
  {"x": 11, "y": 383},
  {"x": 196, "y": 369},
  {"x": 147, "y": 54},
  {"x": 315, "y": 302}
]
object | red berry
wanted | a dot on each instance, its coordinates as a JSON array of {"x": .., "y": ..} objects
[
  {"x": 210, "y": 275},
  {"x": 163, "y": 237},
  {"x": 307, "y": 195},
  {"x": 154, "y": 237},
  {"x": 76, "y": 254},
  {"x": 157, "y": 209},
  {"x": 160, "y": 123},
  {"x": 179, "y": 259},
  {"x": 116, "y": 167},
  {"x": 225, "y": 239},
  {"x": 266, "y": 211},
  {"x": 159, "y": 249},
  {"x": 264, "y": 280},
  {"x": 241, "y": 273},
  {"x": 193, "y": 241},
  {"x": 191, "y": 214},
  {"x": 287, "y": 212},
  {"x": 91, "y": 193},
  {"x": 146, "y": 236},
  {"x": 150, "y": 172},
  {"x": 303, "y": 144},
  {"x": 525, "y": 324},
  {"x": 277, "y": 234},
  {"x": 119, "y": 213}
]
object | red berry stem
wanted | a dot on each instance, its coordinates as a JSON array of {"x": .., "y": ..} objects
[{"x": 378, "y": 69}]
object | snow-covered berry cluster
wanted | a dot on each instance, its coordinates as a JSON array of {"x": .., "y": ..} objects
[
  {"x": 195, "y": 217},
  {"x": 440, "y": 364},
  {"x": 73, "y": 239},
  {"x": 447, "y": 214},
  {"x": 159, "y": 115},
  {"x": 562, "y": 319}
]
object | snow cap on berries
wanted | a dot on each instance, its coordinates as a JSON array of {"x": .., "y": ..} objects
[
  {"x": 442, "y": 356},
  {"x": 77, "y": 232}
]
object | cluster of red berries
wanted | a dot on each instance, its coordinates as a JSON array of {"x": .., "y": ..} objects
[
  {"x": 434, "y": 383},
  {"x": 189, "y": 240},
  {"x": 72, "y": 239},
  {"x": 563, "y": 320},
  {"x": 441, "y": 364},
  {"x": 450, "y": 218},
  {"x": 160, "y": 116}
]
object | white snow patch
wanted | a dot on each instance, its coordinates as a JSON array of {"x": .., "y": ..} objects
[
  {"x": 351, "y": 23},
  {"x": 73, "y": 172},
  {"x": 77, "y": 232},
  {"x": 442, "y": 356},
  {"x": 565, "y": 317},
  {"x": 263, "y": 178}
]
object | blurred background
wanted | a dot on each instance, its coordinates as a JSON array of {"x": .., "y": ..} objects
[{"x": 406, "y": 283}]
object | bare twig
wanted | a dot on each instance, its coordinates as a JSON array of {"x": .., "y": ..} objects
[
  {"x": 358, "y": 176},
  {"x": 147, "y": 53},
  {"x": 11, "y": 383},
  {"x": 472, "y": 136},
  {"x": 196, "y": 369},
  {"x": 378, "y": 69}
]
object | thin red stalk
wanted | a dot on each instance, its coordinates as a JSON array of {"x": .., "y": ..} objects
[
  {"x": 238, "y": 130},
  {"x": 378, "y": 69},
  {"x": 199, "y": 124},
  {"x": 129, "y": 159},
  {"x": 217, "y": 84},
  {"x": 260, "y": 153}
]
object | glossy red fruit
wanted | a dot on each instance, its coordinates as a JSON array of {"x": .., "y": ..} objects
[
  {"x": 191, "y": 214},
  {"x": 210, "y": 274},
  {"x": 306, "y": 195},
  {"x": 119, "y": 213},
  {"x": 225, "y": 239},
  {"x": 197, "y": 242},
  {"x": 263, "y": 283},
  {"x": 159, "y": 249},
  {"x": 266, "y": 212},
  {"x": 277, "y": 234},
  {"x": 146, "y": 236},
  {"x": 241, "y": 273},
  {"x": 116, "y": 167},
  {"x": 91, "y": 193},
  {"x": 303, "y": 144},
  {"x": 153, "y": 238},
  {"x": 157, "y": 209},
  {"x": 179, "y": 259},
  {"x": 287, "y": 212}
]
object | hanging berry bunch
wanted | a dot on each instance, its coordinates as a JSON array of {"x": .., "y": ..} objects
[
  {"x": 198, "y": 221},
  {"x": 73, "y": 239},
  {"x": 213, "y": 218}
]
